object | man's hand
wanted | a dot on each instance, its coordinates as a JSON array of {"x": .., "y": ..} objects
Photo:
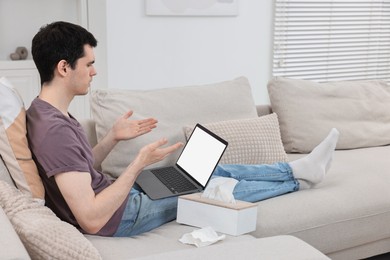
[
  {"x": 154, "y": 152},
  {"x": 125, "y": 129}
]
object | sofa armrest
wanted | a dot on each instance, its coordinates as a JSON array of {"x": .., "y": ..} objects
[
  {"x": 9, "y": 240},
  {"x": 4, "y": 173},
  {"x": 263, "y": 110}
]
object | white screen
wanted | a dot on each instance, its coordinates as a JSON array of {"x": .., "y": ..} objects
[{"x": 201, "y": 155}]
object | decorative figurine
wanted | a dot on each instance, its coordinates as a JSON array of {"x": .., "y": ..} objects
[{"x": 20, "y": 53}]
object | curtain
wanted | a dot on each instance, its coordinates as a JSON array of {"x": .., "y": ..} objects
[{"x": 332, "y": 40}]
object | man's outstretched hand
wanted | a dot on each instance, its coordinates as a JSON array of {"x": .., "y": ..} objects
[
  {"x": 125, "y": 128},
  {"x": 155, "y": 152}
]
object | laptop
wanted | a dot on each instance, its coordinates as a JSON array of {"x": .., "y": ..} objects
[{"x": 192, "y": 170}]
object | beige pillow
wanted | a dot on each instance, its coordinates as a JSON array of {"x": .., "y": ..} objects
[
  {"x": 14, "y": 146},
  {"x": 173, "y": 108},
  {"x": 43, "y": 234},
  {"x": 308, "y": 110},
  {"x": 251, "y": 141}
]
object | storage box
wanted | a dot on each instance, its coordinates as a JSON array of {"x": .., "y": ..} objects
[{"x": 232, "y": 219}]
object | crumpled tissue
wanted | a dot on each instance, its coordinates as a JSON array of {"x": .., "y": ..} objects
[
  {"x": 220, "y": 188},
  {"x": 201, "y": 237}
]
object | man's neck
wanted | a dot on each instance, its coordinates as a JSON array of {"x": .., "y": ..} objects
[{"x": 56, "y": 97}]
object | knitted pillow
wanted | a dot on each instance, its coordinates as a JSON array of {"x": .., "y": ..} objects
[
  {"x": 43, "y": 234},
  {"x": 251, "y": 141}
]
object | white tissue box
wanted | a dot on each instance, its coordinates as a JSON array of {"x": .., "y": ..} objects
[{"x": 229, "y": 218}]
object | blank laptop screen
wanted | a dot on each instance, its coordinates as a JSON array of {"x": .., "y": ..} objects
[{"x": 200, "y": 155}]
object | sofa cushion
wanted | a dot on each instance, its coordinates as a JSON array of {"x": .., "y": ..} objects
[
  {"x": 174, "y": 108},
  {"x": 14, "y": 146},
  {"x": 160, "y": 240},
  {"x": 43, "y": 234},
  {"x": 308, "y": 110},
  {"x": 350, "y": 208},
  {"x": 251, "y": 140}
]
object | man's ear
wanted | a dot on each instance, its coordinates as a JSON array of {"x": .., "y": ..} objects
[{"x": 62, "y": 67}]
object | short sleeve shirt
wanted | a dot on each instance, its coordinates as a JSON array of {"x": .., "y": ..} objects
[{"x": 59, "y": 145}]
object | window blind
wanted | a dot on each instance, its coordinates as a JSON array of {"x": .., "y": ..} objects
[{"x": 332, "y": 40}]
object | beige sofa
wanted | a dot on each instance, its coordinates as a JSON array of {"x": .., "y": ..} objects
[{"x": 344, "y": 217}]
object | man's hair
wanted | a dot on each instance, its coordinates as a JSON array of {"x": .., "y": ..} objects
[{"x": 59, "y": 41}]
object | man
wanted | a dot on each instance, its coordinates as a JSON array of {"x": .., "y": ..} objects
[{"x": 83, "y": 196}]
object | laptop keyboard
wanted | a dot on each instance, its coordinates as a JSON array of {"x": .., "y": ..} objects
[{"x": 173, "y": 179}]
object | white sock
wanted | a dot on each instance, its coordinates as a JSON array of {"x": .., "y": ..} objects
[
  {"x": 313, "y": 167},
  {"x": 304, "y": 185}
]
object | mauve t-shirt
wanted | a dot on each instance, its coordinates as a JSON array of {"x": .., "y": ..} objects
[{"x": 59, "y": 145}]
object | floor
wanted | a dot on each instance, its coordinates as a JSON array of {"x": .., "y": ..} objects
[{"x": 380, "y": 257}]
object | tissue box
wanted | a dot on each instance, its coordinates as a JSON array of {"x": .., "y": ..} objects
[{"x": 232, "y": 219}]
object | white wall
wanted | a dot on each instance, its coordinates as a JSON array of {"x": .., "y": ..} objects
[
  {"x": 147, "y": 52},
  {"x": 21, "y": 20}
]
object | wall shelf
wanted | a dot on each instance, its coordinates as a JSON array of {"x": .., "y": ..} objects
[{"x": 17, "y": 64}]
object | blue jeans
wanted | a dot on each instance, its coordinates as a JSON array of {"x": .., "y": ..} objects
[{"x": 256, "y": 182}]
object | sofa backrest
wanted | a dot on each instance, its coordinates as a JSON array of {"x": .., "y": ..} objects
[
  {"x": 174, "y": 108},
  {"x": 263, "y": 110},
  {"x": 89, "y": 125},
  {"x": 90, "y": 130}
]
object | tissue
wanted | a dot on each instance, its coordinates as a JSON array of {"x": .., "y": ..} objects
[
  {"x": 201, "y": 237},
  {"x": 220, "y": 188}
]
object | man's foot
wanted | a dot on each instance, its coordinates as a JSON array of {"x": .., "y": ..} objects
[{"x": 313, "y": 167}]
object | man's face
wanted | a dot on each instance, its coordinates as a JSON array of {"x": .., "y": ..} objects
[{"x": 81, "y": 77}]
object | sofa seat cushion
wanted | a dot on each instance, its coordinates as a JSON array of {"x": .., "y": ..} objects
[
  {"x": 351, "y": 207},
  {"x": 160, "y": 240}
]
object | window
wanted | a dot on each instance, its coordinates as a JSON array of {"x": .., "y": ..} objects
[{"x": 332, "y": 40}]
